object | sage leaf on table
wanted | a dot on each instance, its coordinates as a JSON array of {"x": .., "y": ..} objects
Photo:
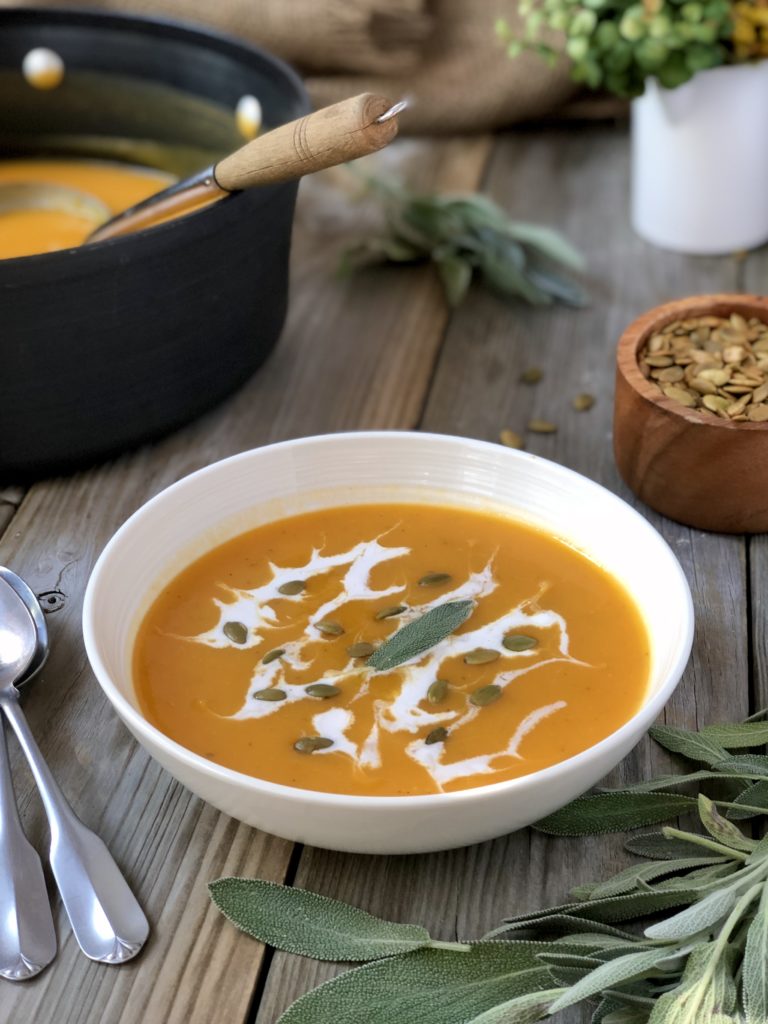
[
  {"x": 754, "y": 974},
  {"x": 734, "y": 736},
  {"x": 526, "y": 1009},
  {"x": 420, "y": 635},
  {"x": 702, "y": 956},
  {"x": 692, "y": 745},
  {"x": 430, "y": 986},
  {"x": 465, "y": 236},
  {"x": 302, "y": 922},
  {"x": 613, "y": 812}
]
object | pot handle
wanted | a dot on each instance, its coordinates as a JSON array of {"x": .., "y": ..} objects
[{"x": 333, "y": 135}]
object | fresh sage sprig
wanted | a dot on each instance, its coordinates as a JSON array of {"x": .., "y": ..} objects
[
  {"x": 696, "y": 951},
  {"x": 420, "y": 635},
  {"x": 467, "y": 236}
]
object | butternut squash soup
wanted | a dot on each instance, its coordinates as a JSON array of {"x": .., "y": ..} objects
[
  {"x": 24, "y": 232},
  {"x": 391, "y": 650}
]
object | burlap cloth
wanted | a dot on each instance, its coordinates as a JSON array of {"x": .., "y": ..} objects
[{"x": 443, "y": 54}]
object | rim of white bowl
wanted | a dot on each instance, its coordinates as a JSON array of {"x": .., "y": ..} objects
[{"x": 645, "y": 714}]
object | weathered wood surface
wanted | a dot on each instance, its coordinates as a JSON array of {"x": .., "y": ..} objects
[{"x": 378, "y": 350}]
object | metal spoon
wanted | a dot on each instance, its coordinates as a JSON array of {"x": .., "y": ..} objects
[
  {"x": 107, "y": 921},
  {"x": 333, "y": 135},
  {"x": 41, "y": 630},
  {"x": 27, "y": 936}
]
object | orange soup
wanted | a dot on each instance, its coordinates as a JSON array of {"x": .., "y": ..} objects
[
  {"x": 27, "y": 231},
  {"x": 391, "y": 650}
]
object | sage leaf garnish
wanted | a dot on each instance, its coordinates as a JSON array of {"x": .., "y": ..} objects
[
  {"x": 302, "y": 922},
  {"x": 703, "y": 959},
  {"x": 737, "y": 735},
  {"x": 420, "y": 635}
]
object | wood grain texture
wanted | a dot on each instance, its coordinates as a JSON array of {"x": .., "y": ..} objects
[
  {"x": 355, "y": 353},
  {"x": 333, "y": 135},
  {"x": 575, "y": 181}
]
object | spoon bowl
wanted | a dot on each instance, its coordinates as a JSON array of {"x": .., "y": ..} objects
[
  {"x": 27, "y": 595},
  {"x": 18, "y": 640}
]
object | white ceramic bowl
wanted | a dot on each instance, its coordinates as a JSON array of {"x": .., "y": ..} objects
[{"x": 229, "y": 497}]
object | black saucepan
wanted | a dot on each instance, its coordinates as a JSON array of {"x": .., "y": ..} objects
[{"x": 110, "y": 345}]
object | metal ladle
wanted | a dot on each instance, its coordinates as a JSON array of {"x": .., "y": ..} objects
[
  {"x": 106, "y": 919},
  {"x": 331, "y": 136}
]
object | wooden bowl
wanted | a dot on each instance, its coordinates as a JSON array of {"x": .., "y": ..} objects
[{"x": 708, "y": 472}]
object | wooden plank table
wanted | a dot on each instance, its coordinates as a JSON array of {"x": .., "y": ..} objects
[{"x": 376, "y": 351}]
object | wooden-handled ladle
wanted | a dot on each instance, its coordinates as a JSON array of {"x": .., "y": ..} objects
[{"x": 331, "y": 136}]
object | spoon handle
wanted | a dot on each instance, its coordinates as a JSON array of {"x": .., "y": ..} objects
[
  {"x": 27, "y": 936},
  {"x": 106, "y": 919},
  {"x": 333, "y": 135}
]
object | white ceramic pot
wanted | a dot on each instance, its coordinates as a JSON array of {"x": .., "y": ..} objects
[
  {"x": 229, "y": 497},
  {"x": 700, "y": 162}
]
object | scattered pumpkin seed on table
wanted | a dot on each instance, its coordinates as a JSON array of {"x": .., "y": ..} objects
[
  {"x": 715, "y": 365},
  {"x": 583, "y": 403},
  {"x": 511, "y": 439},
  {"x": 532, "y": 375},
  {"x": 236, "y": 632},
  {"x": 542, "y": 427}
]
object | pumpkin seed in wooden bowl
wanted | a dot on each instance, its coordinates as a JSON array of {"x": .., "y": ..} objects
[{"x": 691, "y": 411}]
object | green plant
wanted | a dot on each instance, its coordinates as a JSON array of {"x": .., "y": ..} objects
[
  {"x": 617, "y": 44},
  {"x": 700, "y": 955}
]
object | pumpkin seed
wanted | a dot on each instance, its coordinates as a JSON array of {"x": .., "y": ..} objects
[
  {"x": 519, "y": 642},
  {"x": 291, "y": 587},
  {"x": 438, "y": 735},
  {"x": 542, "y": 427},
  {"x": 582, "y": 403},
  {"x": 511, "y": 440},
  {"x": 329, "y": 628},
  {"x": 531, "y": 376},
  {"x": 236, "y": 632},
  {"x": 361, "y": 650},
  {"x": 481, "y": 656},
  {"x": 323, "y": 690},
  {"x": 680, "y": 395},
  {"x": 435, "y": 579},
  {"x": 485, "y": 695},
  {"x": 391, "y": 612},
  {"x": 271, "y": 693},
  {"x": 437, "y": 691},
  {"x": 715, "y": 403},
  {"x": 309, "y": 744},
  {"x": 724, "y": 364},
  {"x": 273, "y": 655}
]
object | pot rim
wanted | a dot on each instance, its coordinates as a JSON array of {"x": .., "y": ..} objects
[
  {"x": 638, "y": 332},
  {"x": 179, "y": 28}
]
